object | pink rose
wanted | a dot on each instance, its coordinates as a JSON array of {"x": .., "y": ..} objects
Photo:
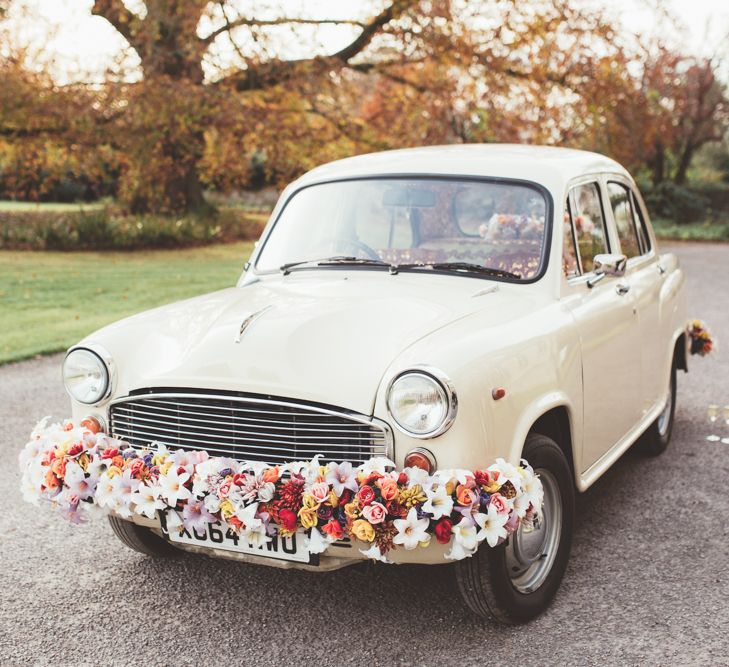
[
  {"x": 319, "y": 491},
  {"x": 224, "y": 488},
  {"x": 374, "y": 513},
  {"x": 499, "y": 502}
]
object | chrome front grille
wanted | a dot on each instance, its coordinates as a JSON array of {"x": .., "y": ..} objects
[{"x": 248, "y": 428}]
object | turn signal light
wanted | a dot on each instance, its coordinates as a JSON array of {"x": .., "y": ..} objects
[
  {"x": 420, "y": 458},
  {"x": 93, "y": 424}
]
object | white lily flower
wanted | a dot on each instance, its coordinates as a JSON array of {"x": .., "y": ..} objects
[
  {"x": 411, "y": 531},
  {"x": 376, "y": 464},
  {"x": 492, "y": 526},
  {"x": 174, "y": 521},
  {"x": 146, "y": 500},
  {"x": 318, "y": 543},
  {"x": 212, "y": 503},
  {"x": 439, "y": 503},
  {"x": 375, "y": 554},
  {"x": 418, "y": 476},
  {"x": 254, "y": 530},
  {"x": 172, "y": 485}
]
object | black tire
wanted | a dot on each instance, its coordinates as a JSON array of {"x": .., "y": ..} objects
[
  {"x": 655, "y": 440},
  {"x": 141, "y": 539},
  {"x": 484, "y": 580}
]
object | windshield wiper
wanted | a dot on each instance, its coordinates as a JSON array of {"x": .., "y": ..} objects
[
  {"x": 334, "y": 261},
  {"x": 465, "y": 267}
]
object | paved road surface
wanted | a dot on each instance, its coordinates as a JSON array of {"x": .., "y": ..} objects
[{"x": 648, "y": 581}]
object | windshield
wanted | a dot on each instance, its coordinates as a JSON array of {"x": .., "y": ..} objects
[{"x": 452, "y": 224}]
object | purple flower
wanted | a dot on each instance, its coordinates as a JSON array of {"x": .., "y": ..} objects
[
  {"x": 225, "y": 472},
  {"x": 195, "y": 516},
  {"x": 485, "y": 499}
]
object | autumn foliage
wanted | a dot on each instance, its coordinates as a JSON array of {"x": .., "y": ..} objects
[{"x": 213, "y": 103}]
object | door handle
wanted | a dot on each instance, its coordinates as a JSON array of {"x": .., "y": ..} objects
[
  {"x": 622, "y": 289},
  {"x": 661, "y": 269}
]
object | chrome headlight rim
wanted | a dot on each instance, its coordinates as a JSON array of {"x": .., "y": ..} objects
[
  {"x": 108, "y": 362},
  {"x": 445, "y": 384}
]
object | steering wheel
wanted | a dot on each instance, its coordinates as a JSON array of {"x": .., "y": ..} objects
[{"x": 359, "y": 245}]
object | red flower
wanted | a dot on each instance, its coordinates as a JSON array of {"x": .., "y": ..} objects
[
  {"x": 334, "y": 529},
  {"x": 288, "y": 519},
  {"x": 374, "y": 476},
  {"x": 402, "y": 479},
  {"x": 76, "y": 448},
  {"x": 235, "y": 522},
  {"x": 365, "y": 495},
  {"x": 109, "y": 453},
  {"x": 443, "y": 531},
  {"x": 136, "y": 467},
  {"x": 483, "y": 477},
  {"x": 396, "y": 510},
  {"x": 238, "y": 479},
  {"x": 346, "y": 497},
  {"x": 68, "y": 427}
]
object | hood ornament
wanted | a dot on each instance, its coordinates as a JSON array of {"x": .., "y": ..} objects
[{"x": 248, "y": 321}]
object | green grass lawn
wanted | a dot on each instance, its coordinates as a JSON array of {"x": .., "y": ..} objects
[
  {"x": 693, "y": 231},
  {"x": 56, "y": 207},
  {"x": 49, "y": 300}
]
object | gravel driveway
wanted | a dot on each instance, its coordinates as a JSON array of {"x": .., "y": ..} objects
[{"x": 647, "y": 581}]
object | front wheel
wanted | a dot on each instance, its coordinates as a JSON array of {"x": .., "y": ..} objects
[
  {"x": 141, "y": 539},
  {"x": 517, "y": 580}
]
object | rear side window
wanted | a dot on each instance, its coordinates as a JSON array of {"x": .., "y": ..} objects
[
  {"x": 588, "y": 222},
  {"x": 622, "y": 205}
]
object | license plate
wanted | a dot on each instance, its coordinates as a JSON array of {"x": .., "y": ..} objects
[{"x": 219, "y": 535}]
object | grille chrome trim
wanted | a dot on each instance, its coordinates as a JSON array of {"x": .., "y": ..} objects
[{"x": 248, "y": 427}]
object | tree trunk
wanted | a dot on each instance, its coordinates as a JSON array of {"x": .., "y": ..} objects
[
  {"x": 683, "y": 164},
  {"x": 658, "y": 164}
]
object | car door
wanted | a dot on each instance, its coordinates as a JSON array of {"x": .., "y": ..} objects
[
  {"x": 644, "y": 277},
  {"x": 605, "y": 315}
]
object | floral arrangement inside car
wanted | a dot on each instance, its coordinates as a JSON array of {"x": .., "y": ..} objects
[{"x": 375, "y": 381}]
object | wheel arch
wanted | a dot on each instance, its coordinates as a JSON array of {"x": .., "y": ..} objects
[{"x": 555, "y": 424}]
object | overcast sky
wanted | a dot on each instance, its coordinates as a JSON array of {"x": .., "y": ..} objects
[{"x": 80, "y": 41}]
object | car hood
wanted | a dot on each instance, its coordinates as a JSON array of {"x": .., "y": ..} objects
[{"x": 312, "y": 335}]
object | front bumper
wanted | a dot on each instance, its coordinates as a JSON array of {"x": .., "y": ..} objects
[{"x": 338, "y": 555}]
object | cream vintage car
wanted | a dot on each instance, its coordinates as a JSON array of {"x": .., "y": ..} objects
[{"x": 442, "y": 306}]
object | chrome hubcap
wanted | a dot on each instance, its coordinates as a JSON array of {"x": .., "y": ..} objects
[
  {"x": 531, "y": 552},
  {"x": 664, "y": 419}
]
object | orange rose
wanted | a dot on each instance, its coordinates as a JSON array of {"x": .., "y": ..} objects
[
  {"x": 464, "y": 495},
  {"x": 51, "y": 481},
  {"x": 118, "y": 461},
  {"x": 59, "y": 468},
  {"x": 271, "y": 475},
  {"x": 388, "y": 488}
]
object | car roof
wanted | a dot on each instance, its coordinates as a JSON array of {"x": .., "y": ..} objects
[{"x": 548, "y": 165}]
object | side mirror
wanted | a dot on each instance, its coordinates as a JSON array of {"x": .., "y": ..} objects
[{"x": 607, "y": 264}]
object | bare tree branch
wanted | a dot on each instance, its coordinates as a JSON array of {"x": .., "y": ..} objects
[
  {"x": 259, "y": 76},
  {"x": 261, "y": 23}
]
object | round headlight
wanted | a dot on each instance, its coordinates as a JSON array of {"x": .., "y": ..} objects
[
  {"x": 85, "y": 376},
  {"x": 420, "y": 404}
]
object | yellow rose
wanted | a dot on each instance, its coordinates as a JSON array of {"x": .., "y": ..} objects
[
  {"x": 308, "y": 517},
  {"x": 113, "y": 471},
  {"x": 363, "y": 530},
  {"x": 226, "y": 509},
  {"x": 310, "y": 502},
  {"x": 83, "y": 461},
  {"x": 333, "y": 499},
  {"x": 352, "y": 509},
  {"x": 165, "y": 467},
  {"x": 492, "y": 487},
  {"x": 450, "y": 486},
  {"x": 158, "y": 459}
]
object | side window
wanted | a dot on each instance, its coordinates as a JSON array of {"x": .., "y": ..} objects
[
  {"x": 569, "y": 252},
  {"x": 620, "y": 201},
  {"x": 643, "y": 236},
  {"x": 589, "y": 223}
]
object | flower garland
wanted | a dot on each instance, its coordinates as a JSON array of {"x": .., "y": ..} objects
[
  {"x": 82, "y": 472},
  {"x": 702, "y": 342}
]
